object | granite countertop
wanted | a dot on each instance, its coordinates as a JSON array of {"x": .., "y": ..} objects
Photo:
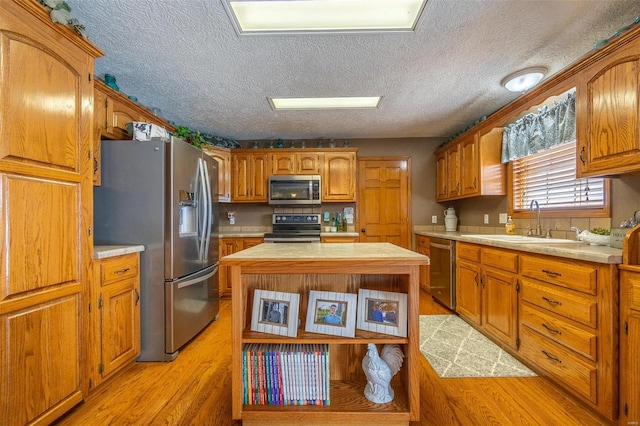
[
  {"x": 329, "y": 252},
  {"x": 571, "y": 250},
  {"x": 103, "y": 252}
]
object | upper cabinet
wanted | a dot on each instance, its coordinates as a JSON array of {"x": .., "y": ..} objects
[
  {"x": 471, "y": 167},
  {"x": 608, "y": 109},
  {"x": 46, "y": 212},
  {"x": 223, "y": 158},
  {"x": 112, "y": 111},
  {"x": 296, "y": 163},
  {"x": 249, "y": 176},
  {"x": 339, "y": 176}
]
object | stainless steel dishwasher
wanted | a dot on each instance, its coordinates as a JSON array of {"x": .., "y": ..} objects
[{"x": 442, "y": 276}]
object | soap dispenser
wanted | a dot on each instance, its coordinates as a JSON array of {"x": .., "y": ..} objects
[{"x": 510, "y": 226}]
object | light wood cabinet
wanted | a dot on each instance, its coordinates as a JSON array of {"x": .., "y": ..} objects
[
  {"x": 568, "y": 322},
  {"x": 223, "y": 158},
  {"x": 334, "y": 273},
  {"x": 116, "y": 303},
  {"x": 46, "y": 212},
  {"x": 608, "y": 113},
  {"x": 422, "y": 247},
  {"x": 112, "y": 111},
  {"x": 250, "y": 173},
  {"x": 229, "y": 246},
  {"x": 296, "y": 163},
  {"x": 486, "y": 290},
  {"x": 630, "y": 330},
  {"x": 339, "y": 239},
  {"x": 339, "y": 176},
  {"x": 471, "y": 166}
]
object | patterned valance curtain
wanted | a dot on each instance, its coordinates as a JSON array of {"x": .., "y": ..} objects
[{"x": 552, "y": 126}]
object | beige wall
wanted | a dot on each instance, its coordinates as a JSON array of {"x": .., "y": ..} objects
[{"x": 625, "y": 193}]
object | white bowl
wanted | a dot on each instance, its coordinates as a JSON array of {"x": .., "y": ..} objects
[{"x": 594, "y": 239}]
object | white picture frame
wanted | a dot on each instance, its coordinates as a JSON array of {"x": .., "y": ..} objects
[
  {"x": 275, "y": 312},
  {"x": 382, "y": 312},
  {"x": 331, "y": 312}
]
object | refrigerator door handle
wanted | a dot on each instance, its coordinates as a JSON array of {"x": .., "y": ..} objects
[
  {"x": 204, "y": 210},
  {"x": 209, "y": 203},
  {"x": 198, "y": 280}
]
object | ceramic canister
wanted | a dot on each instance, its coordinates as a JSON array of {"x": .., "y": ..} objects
[{"x": 450, "y": 219}]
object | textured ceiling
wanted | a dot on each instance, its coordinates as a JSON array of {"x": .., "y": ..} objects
[{"x": 185, "y": 58}]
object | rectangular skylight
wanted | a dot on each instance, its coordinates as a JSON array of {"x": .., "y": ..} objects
[
  {"x": 325, "y": 103},
  {"x": 266, "y": 16}
]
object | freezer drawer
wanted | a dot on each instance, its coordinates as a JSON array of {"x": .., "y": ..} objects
[{"x": 191, "y": 303}]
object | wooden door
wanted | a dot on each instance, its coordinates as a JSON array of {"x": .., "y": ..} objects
[
  {"x": 283, "y": 164},
  {"x": 469, "y": 291},
  {"x": 308, "y": 163},
  {"x": 339, "y": 177},
  {"x": 499, "y": 313},
  {"x": 260, "y": 177},
  {"x": 46, "y": 175},
  {"x": 241, "y": 178},
  {"x": 385, "y": 200},
  {"x": 223, "y": 159},
  {"x": 453, "y": 171},
  {"x": 441, "y": 176},
  {"x": 629, "y": 344},
  {"x": 226, "y": 247}
]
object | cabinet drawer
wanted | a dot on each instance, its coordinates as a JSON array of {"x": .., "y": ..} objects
[
  {"x": 577, "y": 276},
  {"x": 118, "y": 268},
  {"x": 560, "y": 364},
  {"x": 422, "y": 240},
  {"x": 554, "y": 299},
  {"x": 501, "y": 259},
  {"x": 581, "y": 341},
  {"x": 468, "y": 251}
]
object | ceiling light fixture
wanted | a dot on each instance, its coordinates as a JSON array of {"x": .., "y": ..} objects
[
  {"x": 523, "y": 80},
  {"x": 311, "y": 16},
  {"x": 325, "y": 103}
]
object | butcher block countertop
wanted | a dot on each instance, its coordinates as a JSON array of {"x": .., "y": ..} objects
[
  {"x": 571, "y": 250},
  {"x": 327, "y": 252}
]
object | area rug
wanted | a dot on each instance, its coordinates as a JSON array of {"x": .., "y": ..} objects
[{"x": 455, "y": 349}]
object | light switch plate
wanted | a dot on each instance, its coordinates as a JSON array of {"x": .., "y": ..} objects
[
  {"x": 434, "y": 219},
  {"x": 486, "y": 219},
  {"x": 503, "y": 218}
]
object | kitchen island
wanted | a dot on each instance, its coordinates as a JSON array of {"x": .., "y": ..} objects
[{"x": 338, "y": 267}]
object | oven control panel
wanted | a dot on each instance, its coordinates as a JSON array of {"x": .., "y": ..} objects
[{"x": 306, "y": 219}]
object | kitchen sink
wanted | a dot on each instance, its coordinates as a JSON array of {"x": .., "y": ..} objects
[{"x": 521, "y": 239}]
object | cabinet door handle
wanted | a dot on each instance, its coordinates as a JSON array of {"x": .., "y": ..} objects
[
  {"x": 551, "y": 302},
  {"x": 122, "y": 271},
  {"x": 552, "y": 273},
  {"x": 475, "y": 183},
  {"x": 137, "y": 296},
  {"x": 582, "y": 156},
  {"x": 552, "y": 330},
  {"x": 476, "y": 279},
  {"x": 551, "y": 357}
]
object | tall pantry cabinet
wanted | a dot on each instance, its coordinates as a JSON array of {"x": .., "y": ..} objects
[{"x": 46, "y": 113}]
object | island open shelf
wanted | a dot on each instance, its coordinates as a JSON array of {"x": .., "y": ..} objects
[{"x": 339, "y": 267}]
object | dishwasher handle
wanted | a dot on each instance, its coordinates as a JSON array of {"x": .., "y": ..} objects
[{"x": 442, "y": 246}]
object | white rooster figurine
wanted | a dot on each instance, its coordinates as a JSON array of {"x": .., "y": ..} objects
[{"x": 379, "y": 370}]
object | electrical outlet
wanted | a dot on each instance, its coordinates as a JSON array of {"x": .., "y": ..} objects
[
  {"x": 486, "y": 219},
  {"x": 503, "y": 217},
  {"x": 434, "y": 219}
]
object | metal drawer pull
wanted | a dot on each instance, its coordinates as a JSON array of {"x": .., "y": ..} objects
[
  {"x": 552, "y": 358},
  {"x": 551, "y": 273},
  {"x": 552, "y": 302},
  {"x": 552, "y": 330},
  {"x": 122, "y": 271}
]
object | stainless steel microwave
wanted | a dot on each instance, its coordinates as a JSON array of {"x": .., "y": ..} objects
[{"x": 287, "y": 190}]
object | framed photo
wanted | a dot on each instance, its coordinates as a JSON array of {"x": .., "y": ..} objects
[
  {"x": 382, "y": 312},
  {"x": 275, "y": 312},
  {"x": 332, "y": 313}
]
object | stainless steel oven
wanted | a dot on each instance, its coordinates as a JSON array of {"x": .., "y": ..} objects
[
  {"x": 286, "y": 190},
  {"x": 294, "y": 228}
]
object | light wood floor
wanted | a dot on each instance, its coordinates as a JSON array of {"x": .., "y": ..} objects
[{"x": 195, "y": 389}]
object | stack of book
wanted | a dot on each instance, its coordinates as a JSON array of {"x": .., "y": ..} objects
[{"x": 285, "y": 374}]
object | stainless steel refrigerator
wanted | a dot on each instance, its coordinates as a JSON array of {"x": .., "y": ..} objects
[{"x": 161, "y": 195}]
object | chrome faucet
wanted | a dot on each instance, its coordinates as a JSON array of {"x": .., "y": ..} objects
[{"x": 537, "y": 209}]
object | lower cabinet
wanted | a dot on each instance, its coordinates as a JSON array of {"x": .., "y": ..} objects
[
  {"x": 339, "y": 239},
  {"x": 116, "y": 315},
  {"x": 422, "y": 247},
  {"x": 229, "y": 246},
  {"x": 629, "y": 344},
  {"x": 557, "y": 315}
]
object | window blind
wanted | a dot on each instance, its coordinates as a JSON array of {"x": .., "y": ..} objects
[{"x": 549, "y": 177}]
